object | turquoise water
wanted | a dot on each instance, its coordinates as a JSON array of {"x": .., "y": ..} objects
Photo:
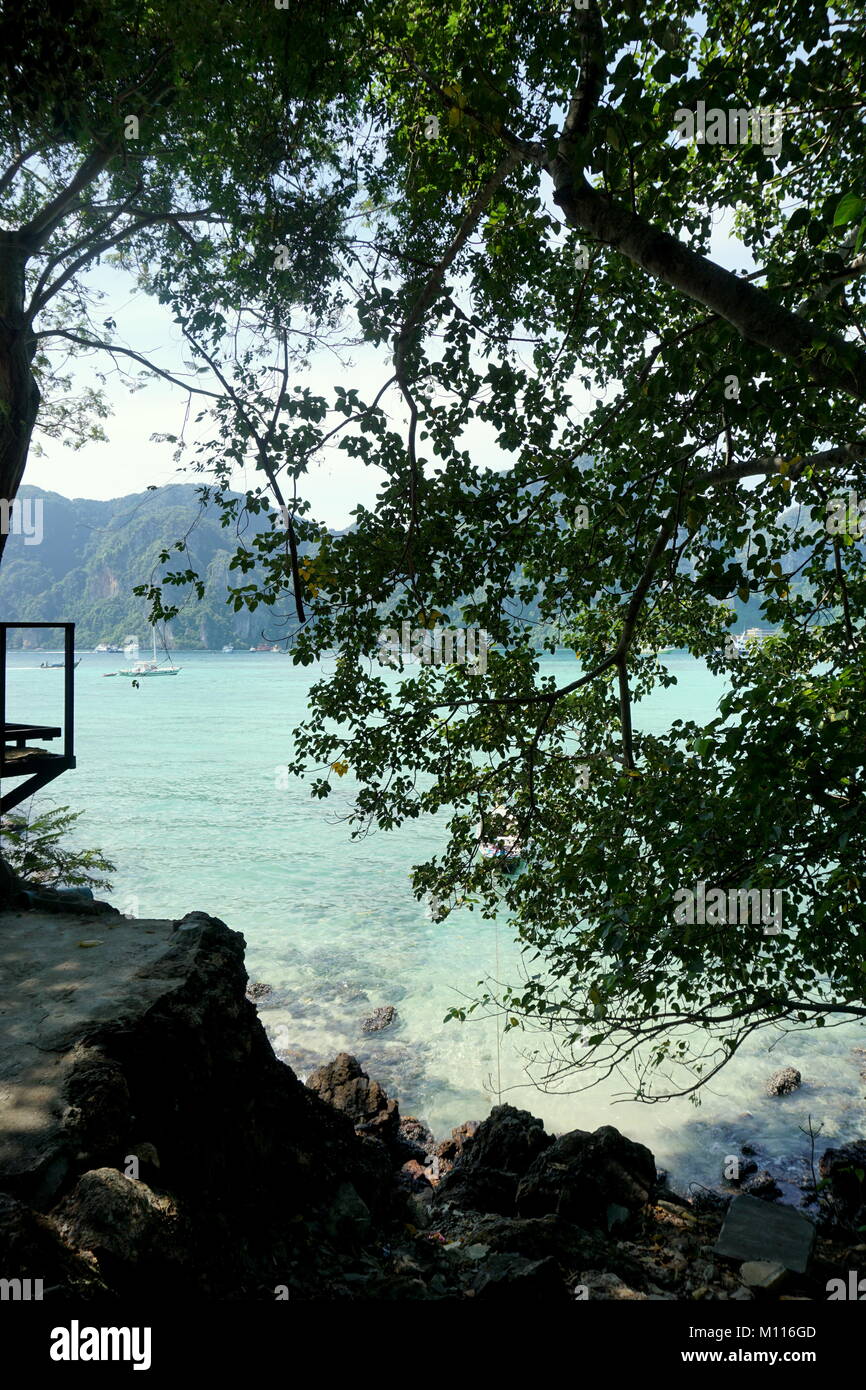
[{"x": 180, "y": 782}]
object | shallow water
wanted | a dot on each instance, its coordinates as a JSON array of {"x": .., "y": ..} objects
[{"x": 181, "y": 787}]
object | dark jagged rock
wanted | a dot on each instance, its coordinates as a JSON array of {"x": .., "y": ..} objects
[
  {"x": 414, "y": 1141},
  {"x": 509, "y": 1278},
  {"x": 346, "y": 1086},
  {"x": 784, "y": 1082},
  {"x": 845, "y": 1170},
  {"x": 479, "y": 1189},
  {"x": 414, "y": 1177},
  {"x": 508, "y": 1140},
  {"x": 502, "y": 1149},
  {"x": 705, "y": 1200},
  {"x": 126, "y": 1228},
  {"x": 581, "y": 1176},
  {"x": 450, "y": 1151},
  {"x": 32, "y": 1248},
  {"x": 761, "y": 1184}
]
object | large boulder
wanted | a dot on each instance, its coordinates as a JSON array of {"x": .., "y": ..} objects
[
  {"x": 502, "y": 1150},
  {"x": 595, "y": 1180},
  {"x": 160, "y": 1054},
  {"x": 509, "y": 1139},
  {"x": 117, "y": 1218},
  {"x": 344, "y": 1084}
]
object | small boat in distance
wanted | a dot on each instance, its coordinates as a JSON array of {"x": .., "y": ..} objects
[
  {"x": 57, "y": 665},
  {"x": 228, "y": 649},
  {"x": 505, "y": 849},
  {"x": 149, "y": 668}
]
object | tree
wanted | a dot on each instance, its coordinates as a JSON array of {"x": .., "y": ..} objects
[
  {"x": 532, "y": 231},
  {"x": 544, "y": 230},
  {"x": 192, "y": 145}
]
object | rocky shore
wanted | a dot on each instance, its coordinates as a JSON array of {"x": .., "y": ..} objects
[{"x": 155, "y": 1146}]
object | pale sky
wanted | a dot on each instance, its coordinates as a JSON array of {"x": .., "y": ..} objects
[{"x": 131, "y": 460}]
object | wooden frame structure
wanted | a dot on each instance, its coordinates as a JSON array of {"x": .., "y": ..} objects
[{"x": 18, "y": 756}]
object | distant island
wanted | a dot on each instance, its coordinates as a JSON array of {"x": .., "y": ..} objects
[
  {"x": 92, "y": 554},
  {"x": 98, "y": 551}
]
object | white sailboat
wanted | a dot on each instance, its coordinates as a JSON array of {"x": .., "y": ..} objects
[{"x": 150, "y": 668}]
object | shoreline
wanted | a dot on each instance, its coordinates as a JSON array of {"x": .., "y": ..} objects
[{"x": 168, "y": 1147}]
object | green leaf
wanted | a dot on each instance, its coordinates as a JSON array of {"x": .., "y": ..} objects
[{"x": 849, "y": 209}]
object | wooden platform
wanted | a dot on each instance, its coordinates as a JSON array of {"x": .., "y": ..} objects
[
  {"x": 22, "y": 756},
  {"x": 18, "y": 762}
]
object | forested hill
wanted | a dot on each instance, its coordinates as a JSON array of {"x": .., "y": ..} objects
[{"x": 92, "y": 554}]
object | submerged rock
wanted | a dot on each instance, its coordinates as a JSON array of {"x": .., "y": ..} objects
[
  {"x": 380, "y": 1018},
  {"x": 784, "y": 1082}
]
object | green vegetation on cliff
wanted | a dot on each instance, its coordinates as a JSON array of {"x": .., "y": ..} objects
[{"x": 92, "y": 555}]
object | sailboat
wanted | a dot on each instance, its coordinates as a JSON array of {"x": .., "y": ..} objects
[{"x": 150, "y": 668}]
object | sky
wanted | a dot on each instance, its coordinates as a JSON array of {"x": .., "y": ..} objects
[{"x": 131, "y": 460}]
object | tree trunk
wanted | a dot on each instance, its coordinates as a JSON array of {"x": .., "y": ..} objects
[{"x": 19, "y": 393}]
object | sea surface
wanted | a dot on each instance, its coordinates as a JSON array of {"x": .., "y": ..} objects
[{"x": 183, "y": 786}]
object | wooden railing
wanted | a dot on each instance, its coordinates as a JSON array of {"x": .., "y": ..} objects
[{"x": 17, "y": 758}]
